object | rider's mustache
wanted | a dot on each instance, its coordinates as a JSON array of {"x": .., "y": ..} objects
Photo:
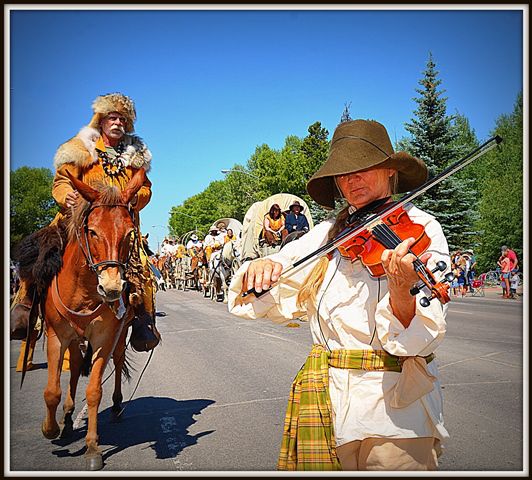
[{"x": 118, "y": 127}]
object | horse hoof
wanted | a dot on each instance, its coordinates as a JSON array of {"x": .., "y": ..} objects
[
  {"x": 94, "y": 462},
  {"x": 50, "y": 434}
]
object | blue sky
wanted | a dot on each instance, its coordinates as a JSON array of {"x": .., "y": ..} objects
[{"x": 212, "y": 85}]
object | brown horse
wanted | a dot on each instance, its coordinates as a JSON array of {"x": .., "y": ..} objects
[
  {"x": 198, "y": 263},
  {"x": 86, "y": 301}
]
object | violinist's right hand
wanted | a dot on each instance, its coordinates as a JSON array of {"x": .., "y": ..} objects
[{"x": 261, "y": 274}]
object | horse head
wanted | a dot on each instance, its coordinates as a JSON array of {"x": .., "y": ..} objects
[{"x": 106, "y": 232}]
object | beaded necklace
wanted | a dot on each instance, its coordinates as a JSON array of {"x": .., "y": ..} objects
[{"x": 113, "y": 166}]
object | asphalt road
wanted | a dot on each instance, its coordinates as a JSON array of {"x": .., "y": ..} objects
[{"x": 213, "y": 397}]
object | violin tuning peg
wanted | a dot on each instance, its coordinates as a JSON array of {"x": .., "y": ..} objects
[
  {"x": 449, "y": 277},
  {"x": 424, "y": 302},
  {"x": 414, "y": 290},
  {"x": 440, "y": 267}
]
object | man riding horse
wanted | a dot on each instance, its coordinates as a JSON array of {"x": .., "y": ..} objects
[{"x": 105, "y": 151}]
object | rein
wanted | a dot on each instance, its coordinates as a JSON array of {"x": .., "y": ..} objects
[
  {"x": 73, "y": 316},
  {"x": 87, "y": 252}
]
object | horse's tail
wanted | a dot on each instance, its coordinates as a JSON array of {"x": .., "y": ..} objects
[
  {"x": 128, "y": 367},
  {"x": 86, "y": 364}
]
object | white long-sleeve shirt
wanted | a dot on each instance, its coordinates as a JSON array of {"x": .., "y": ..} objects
[{"x": 355, "y": 313}]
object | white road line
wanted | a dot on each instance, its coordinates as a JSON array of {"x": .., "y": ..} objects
[
  {"x": 80, "y": 416},
  {"x": 473, "y": 383},
  {"x": 503, "y": 363},
  {"x": 441, "y": 367},
  {"x": 274, "y": 336},
  {"x": 486, "y": 340},
  {"x": 245, "y": 402},
  {"x": 460, "y": 311}
]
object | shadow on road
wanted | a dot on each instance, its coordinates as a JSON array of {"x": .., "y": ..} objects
[{"x": 163, "y": 422}]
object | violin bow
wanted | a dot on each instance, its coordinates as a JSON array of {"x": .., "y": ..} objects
[{"x": 349, "y": 233}]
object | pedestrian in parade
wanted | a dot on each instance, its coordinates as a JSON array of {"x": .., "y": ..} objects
[
  {"x": 194, "y": 245},
  {"x": 368, "y": 396},
  {"x": 106, "y": 150}
]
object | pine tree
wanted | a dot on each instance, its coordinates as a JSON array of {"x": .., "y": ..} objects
[
  {"x": 501, "y": 196},
  {"x": 314, "y": 148},
  {"x": 345, "y": 114},
  {"x": 434, "y": 141}
]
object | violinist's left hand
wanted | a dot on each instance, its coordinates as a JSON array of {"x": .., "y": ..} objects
[{"x": 399, "y": 268}]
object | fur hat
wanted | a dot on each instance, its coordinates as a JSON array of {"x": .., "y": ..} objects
[
  {"x": 113, "y": 102},
  {"x": 357, "y": 145}
]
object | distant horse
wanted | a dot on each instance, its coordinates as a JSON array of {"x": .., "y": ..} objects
[
  {"x": 221, "y": 270},
  {"x": 198, "y": 264},
  {"x": 86, "y": 300},
  {"x": 181, "y": 269}
]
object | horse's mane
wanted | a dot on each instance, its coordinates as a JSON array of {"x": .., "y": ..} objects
[{"x": 74, "y": 218}]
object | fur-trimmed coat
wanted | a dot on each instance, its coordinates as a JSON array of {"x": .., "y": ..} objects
[{"x": 80, "y": 157}]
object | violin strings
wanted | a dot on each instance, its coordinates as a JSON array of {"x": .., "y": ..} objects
[{"x": 385, "y": 235}]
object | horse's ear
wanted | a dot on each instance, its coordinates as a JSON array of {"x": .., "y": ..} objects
[
  {"x": 147, "y": 235},
  {"x": 86, "y": 191},
  {"x": 134, "y": 185}
]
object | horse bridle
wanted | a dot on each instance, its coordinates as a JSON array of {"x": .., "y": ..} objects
[{"x": 99, "y": 266}]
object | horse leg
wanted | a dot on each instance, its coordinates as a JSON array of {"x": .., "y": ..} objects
[
  {"x": 224, "y": 288},
  {"x": 119, "y": 358},
  {"x": 102, "y": 350},
  {"x": 52, "y": 392},
  {"x": 76, "y": 360}
]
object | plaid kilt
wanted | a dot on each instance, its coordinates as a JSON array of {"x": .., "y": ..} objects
[{"x": 308, "y": 436}]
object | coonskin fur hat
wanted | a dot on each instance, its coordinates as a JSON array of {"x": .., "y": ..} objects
[{"x": 113, "y": 102}]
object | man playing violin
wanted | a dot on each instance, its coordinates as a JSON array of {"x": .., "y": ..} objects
[{"x": 368, "y": 396}]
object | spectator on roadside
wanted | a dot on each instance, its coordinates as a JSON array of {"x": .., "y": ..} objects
[
  {"x": 465, "y": 262},
  {"x": 471, "y": 270},
  {"x": 454, "y": 284},
  {"x": 506, "y": 267},
  {"x": 514, "y": 284},
  {"x": 462, "y": 285},
  {"x": 512, "y": 256},
  {"x": 455, "y": 257}
]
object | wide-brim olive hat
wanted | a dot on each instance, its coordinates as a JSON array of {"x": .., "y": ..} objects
[{"x": 357, "y": 145}]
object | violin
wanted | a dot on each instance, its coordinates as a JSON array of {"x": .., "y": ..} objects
[
  {"x": 387, "y": 233},
  {"x": 384, "y": 225}
]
